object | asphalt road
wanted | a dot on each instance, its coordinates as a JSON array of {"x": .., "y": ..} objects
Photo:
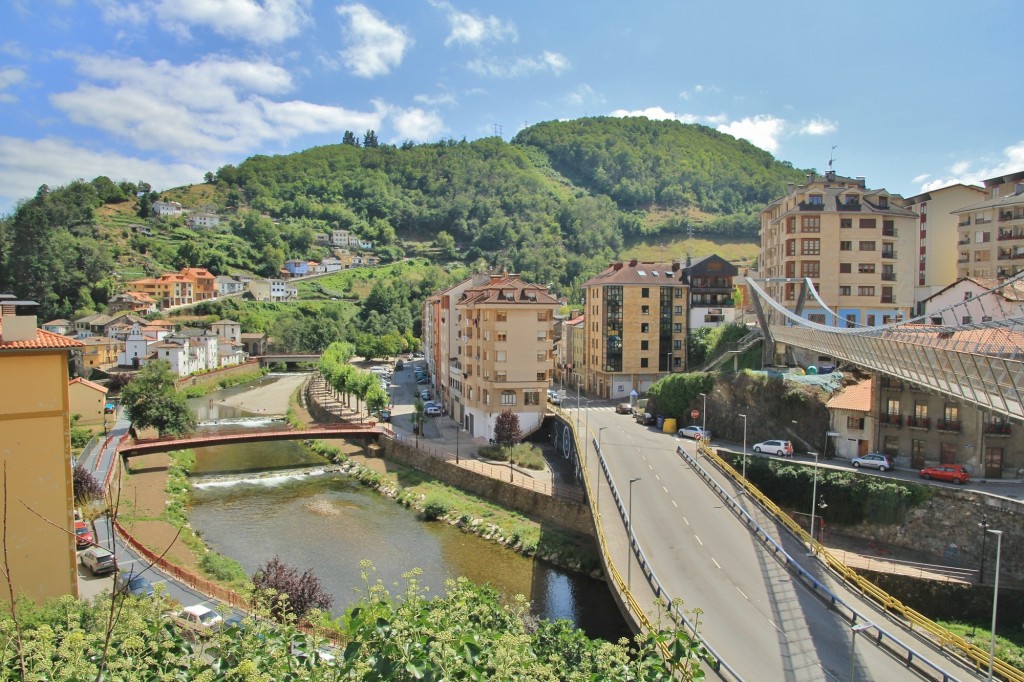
[{"x": 763, "y": 622}]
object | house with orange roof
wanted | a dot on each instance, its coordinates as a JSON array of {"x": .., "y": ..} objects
[
  {"x": 87, "y": 399},
  {"x": 62, "y": 327},
  {"x": 40, "y": 561},
  {"x": 98, "y": 352},
  {"x": 133, "y": 302},
  {"x": 205, "y": 283},
  {"x": 853, "y": 419},
  {"x": 168, "y": 290}
]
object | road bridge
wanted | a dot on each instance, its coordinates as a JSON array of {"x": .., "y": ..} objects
[
  {"x": 980, "y": 363},
  {"x": 146, "y": 446}
]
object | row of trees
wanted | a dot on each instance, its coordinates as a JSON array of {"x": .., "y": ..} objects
[{"x": 348, "y": 381}]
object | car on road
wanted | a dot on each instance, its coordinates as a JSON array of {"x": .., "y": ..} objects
[
  {"x": 554, "y": 397},
  {"x": 383, "y": 415},
  {"x": 424, "y": 394},
  {"x": 953, "y": 473},
  {"x": 645, "y": 418},
  {"x": 127, "y": 583},
  {"x": 781, "y": 448},
  {"x": 423, "y": 380},
  {"x": 875, "y": 460},
  {"x": 98, "y": 560},
  {"x": 623, "y": 408},
  {"x": 432, "y": 411},
  {"x": 83, "y": 536},
  {"x": 695, "y": 432},
  {"x": 198, "y": 618},
  {"x": 399, "y": 365}
]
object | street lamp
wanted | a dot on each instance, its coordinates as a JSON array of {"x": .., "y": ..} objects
[
  {"x": 984, "y": 535},
  {"x": 629, "y": 537},
  {"x": 995, "y": 603},
  {"x": 814, "y": 500},
  {"x": 704, "y": 415},
  {"x": 744, "y": 445},
  {"x": 853, "y": 643}
]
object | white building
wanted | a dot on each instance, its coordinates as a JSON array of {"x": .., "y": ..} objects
[
  {"x": 167, "y": 208},
  {"x": 204, "y": 221},
  {"x": 977, "y": 304},
  {"x": 276, "y": 290}
]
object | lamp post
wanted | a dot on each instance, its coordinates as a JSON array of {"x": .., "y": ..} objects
[
  {"x": 629, "y": 537},
  {"x": 984, "y": 535},
  {"x": 995, "y": 603},
  {"x": 814, "y": 501},
  {"x": 853, "y": 644},
  {"x": 577, "y": 406},
  {"x": 744, "y": 445},
  {"x": 704, "y": 415}
]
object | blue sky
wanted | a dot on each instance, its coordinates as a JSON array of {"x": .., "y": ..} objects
[{"x": 912, "y": 94}]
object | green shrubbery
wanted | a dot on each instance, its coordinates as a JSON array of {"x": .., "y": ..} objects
[{"x": 523, "y": 454}]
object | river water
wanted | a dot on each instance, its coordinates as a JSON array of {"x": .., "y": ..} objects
[{"x": 247, "y": 505}]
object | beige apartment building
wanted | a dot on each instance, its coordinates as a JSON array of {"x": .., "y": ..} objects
[
  {"x": 35, "y": 457},
  {"x": 636, "y": 327},
  {"x": 859, "y": 246},
  {"x": 938, "y": 235},
  {"x": 991, "y": 231},
  {"x": 504, "y": 352}
]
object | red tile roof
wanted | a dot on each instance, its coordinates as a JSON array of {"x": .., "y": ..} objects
[
  {"x": 90, "y": 384},
  {"x": 43, "y": 340},
  {"x": 856, "y": 397}
]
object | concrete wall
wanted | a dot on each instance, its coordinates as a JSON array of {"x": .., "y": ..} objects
[
  {"x": 563, "y": 513},
  {"x": 247, "y": 367}
]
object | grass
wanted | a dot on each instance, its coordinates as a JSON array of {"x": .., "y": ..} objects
[
  {"x": 741, "y": 254},
  {"x": 523, "y": 454},
  {"x": 1009, "y": 645}
]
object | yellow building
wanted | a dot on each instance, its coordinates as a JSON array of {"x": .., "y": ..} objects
[
  {"x": 168, "y": 290},
  {"x": 98, "y": 352},
  {"x": 636, "y": 326},
  {"x": 505, "y": 352},
  {"x": 992, "y": 230},
  {"x": 35, "y": 456},
  {"x": 88, "y": 400},
  {"x": 859, "y": 246}
]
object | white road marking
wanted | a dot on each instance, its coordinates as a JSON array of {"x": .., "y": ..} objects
[
  {"x": 674, "y": 504},
  {"x": 697, "y": 537},
  {"x": 665, "y": 489},
  {"x": 744, "y": 595},
  {"x": 686, "y": 520},
  {"x": 715, "y": 562}
]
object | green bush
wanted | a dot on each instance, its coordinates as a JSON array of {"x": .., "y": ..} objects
[
  {"x": 435, "y": 507},
  {"x": 222, "y": 568}
]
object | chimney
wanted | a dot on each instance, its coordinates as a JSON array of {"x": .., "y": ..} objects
[
  {"x": 790, "y": 186},
  {"x": 632, "y": 263},
  {"x": 15, "y": 326},
  {"x": 617, "y": 265}
]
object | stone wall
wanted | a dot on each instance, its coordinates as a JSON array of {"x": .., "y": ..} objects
[
  {"x": 947, "y": 527},
  {"x": 953, "y": 601},
  {"x": 563, "y": 513},
  {"x": 213, "y": 377}
]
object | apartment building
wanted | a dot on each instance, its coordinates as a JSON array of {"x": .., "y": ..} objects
[
  {"x": 974, "y": 301},
  {"x": 991, "y": 232},
  {"x": 35, "y": 461},
  {"x": 205, "y": 287},
  {"x": 636, "y": 325},
  {"x": 859, "y": 246},
  {"x": 168, "y": 290},
  {"x": 503, "y": 352},
  {"x": 937, "y": 235}
]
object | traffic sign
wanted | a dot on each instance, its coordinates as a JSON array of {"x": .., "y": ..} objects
[{"x": 694, "y": 414}]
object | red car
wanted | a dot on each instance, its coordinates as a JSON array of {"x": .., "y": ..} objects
[
  {"x": 83, "y": 536},
  {"x": 954, "y": 473}
]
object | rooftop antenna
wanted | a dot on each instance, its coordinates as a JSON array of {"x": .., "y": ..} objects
[{"x": 832, "y": 156}]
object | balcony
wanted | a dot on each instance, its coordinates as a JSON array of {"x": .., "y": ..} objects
[
  {"x": 889, "y": 276},
  {"x": 891, "y": 420},
  {"x": 804, "y": 206},
  {"x": 951, "y": 425},
  {"x": 965, "y": 241},
  {"x": 888, "y": 254},
  {"x": 887, "y": 299},
  {"x": 1008, "y": 235},
  {"x": 919, "y": 422},
  {"x": 964, "y": 222},
  {"x": 890, "y": 232},
  {"x": 997, "y": 429}
]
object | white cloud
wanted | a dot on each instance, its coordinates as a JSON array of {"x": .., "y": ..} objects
[
  {"x": 235, "y": 113},
  {"x": 416, "y": 125},
  {"x": 921, "y": 178},
  {"x": 818, "y": 127},
  {"x": 27, "y": 164},
  {"x": 656, "y": 114},
  {"x": 470, "y": 29},
  {"x": 584, "y": 94},
  {"x": 9, "y": 76},
  {"x": 976, "y": 171},
  {"x": 375, "y": 46},
  {"x": 699, "y": 89},
  {"x": 257, "y": 21},
  {"x": 762, "y": 131},
  {"x": 547, "y": 61},
  {"x": 440, "y": 99}
]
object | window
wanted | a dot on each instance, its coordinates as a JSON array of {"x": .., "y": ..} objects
[
  {"x": 866, "y": 246},
  {"x": 851, "y": 321},
  {"x": 531, "y": 397},
  {"x": 815, "y": 200},
  {"x": 645, "y": 292},
  {"x": 892, "y": 407},
  {"x": 966, "y": 319},
  {"x": 677, "y": 328},
  {"x": 844, "y": 291},
  {"x": 845, "y": 222},
  {"x": 865, "y": 291},
  {"x": 920, "y": 410},
  {"x": 645, "y": 328},
  {"x": 855, "y": 423},
  {"x": 951, "y": 413},
  {"x": 677, "y": 344},
  {"x": 810, "y": 224},
  {"x": 845, "y": 267},
  {"x": 810, "y": 247},
  {"x": 508, "y": 398},
  {"x": 542, "y": 356},
  {"x": 790, "y": 225},
  {"x": 643, "y": 362},
  {"x": 846, "y": 246},
  {"x": 542, "y": 335},
  {"x": 867, "y": 223},
  {"x": 866, "y": 268},
  {"x": 678, "y": 310},
  {"x": 500, "y": 337},
  {"x": 883, "y": 202},
  {"x": 645, "y": 310},
  {"x": 871, "y": 320},
  {"x": 501, "y": 316},
  {"x": 644, "y": 345},
  {"x": 501, "y": 375},
  {"x": 810, "y": 268},
  {"x": 818, "y": 318},
  {"x": 790, "y": 247},
  {"x": 542, "y": 376},
  {"x": 487, "y": 397},
  {"x": 542, "y": 315},
  {"x": 499, "y": 356}
]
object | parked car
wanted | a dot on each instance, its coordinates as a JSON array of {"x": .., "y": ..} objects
[
  {"x": 83, "y": 536},
  {"x": 98, "y": 560},
  {"x": 953, "y": 473},
  {"x": 623, "y": 408},
  {"x": 645, "y": 418},
  {"x": 383, "y": 415},
  {"x": 399, "y": 365},
  {"x": 423, "y": 380},
  {"x": 432, "y": 411},
  {"x": 126, "y": 583},
  {"x": 198, "y": 618},
  {"x": 875, "y": 460},
  {"x": 554, "y": 397},
  {"x": 694, "y": 432},
  {"x": 781, "y": 448},
  {"x": 424, "y": 394}
]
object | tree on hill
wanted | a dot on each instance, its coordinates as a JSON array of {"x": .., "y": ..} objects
[{"x": 151, "y": 400}]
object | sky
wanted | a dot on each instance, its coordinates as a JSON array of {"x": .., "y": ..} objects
[{"x": 912, "y": 94}]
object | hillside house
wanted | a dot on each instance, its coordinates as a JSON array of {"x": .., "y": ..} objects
[{"x": 87, "y": 399}]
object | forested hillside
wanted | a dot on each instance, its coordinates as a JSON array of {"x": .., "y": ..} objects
[{"x": 556, "y": 205}]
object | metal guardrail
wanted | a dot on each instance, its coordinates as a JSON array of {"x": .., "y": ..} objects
[{"x": 945, "y": 639}]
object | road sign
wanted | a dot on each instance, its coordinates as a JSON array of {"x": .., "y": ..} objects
[{"x": 694, "y": 414}]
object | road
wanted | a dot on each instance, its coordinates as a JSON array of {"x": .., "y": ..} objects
[{"x": 762, "y": 621}]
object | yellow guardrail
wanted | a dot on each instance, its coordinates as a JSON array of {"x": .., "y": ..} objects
[{"x": 943, "y": 637}]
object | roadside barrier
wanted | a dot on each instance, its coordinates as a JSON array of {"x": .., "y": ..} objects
[{"x": 911, "y": 619}]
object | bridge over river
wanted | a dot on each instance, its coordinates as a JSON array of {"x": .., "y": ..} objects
[{"x": 146, "y": 446}]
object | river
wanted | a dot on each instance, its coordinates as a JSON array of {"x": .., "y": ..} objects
[{"x": 251, "y": 508}]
